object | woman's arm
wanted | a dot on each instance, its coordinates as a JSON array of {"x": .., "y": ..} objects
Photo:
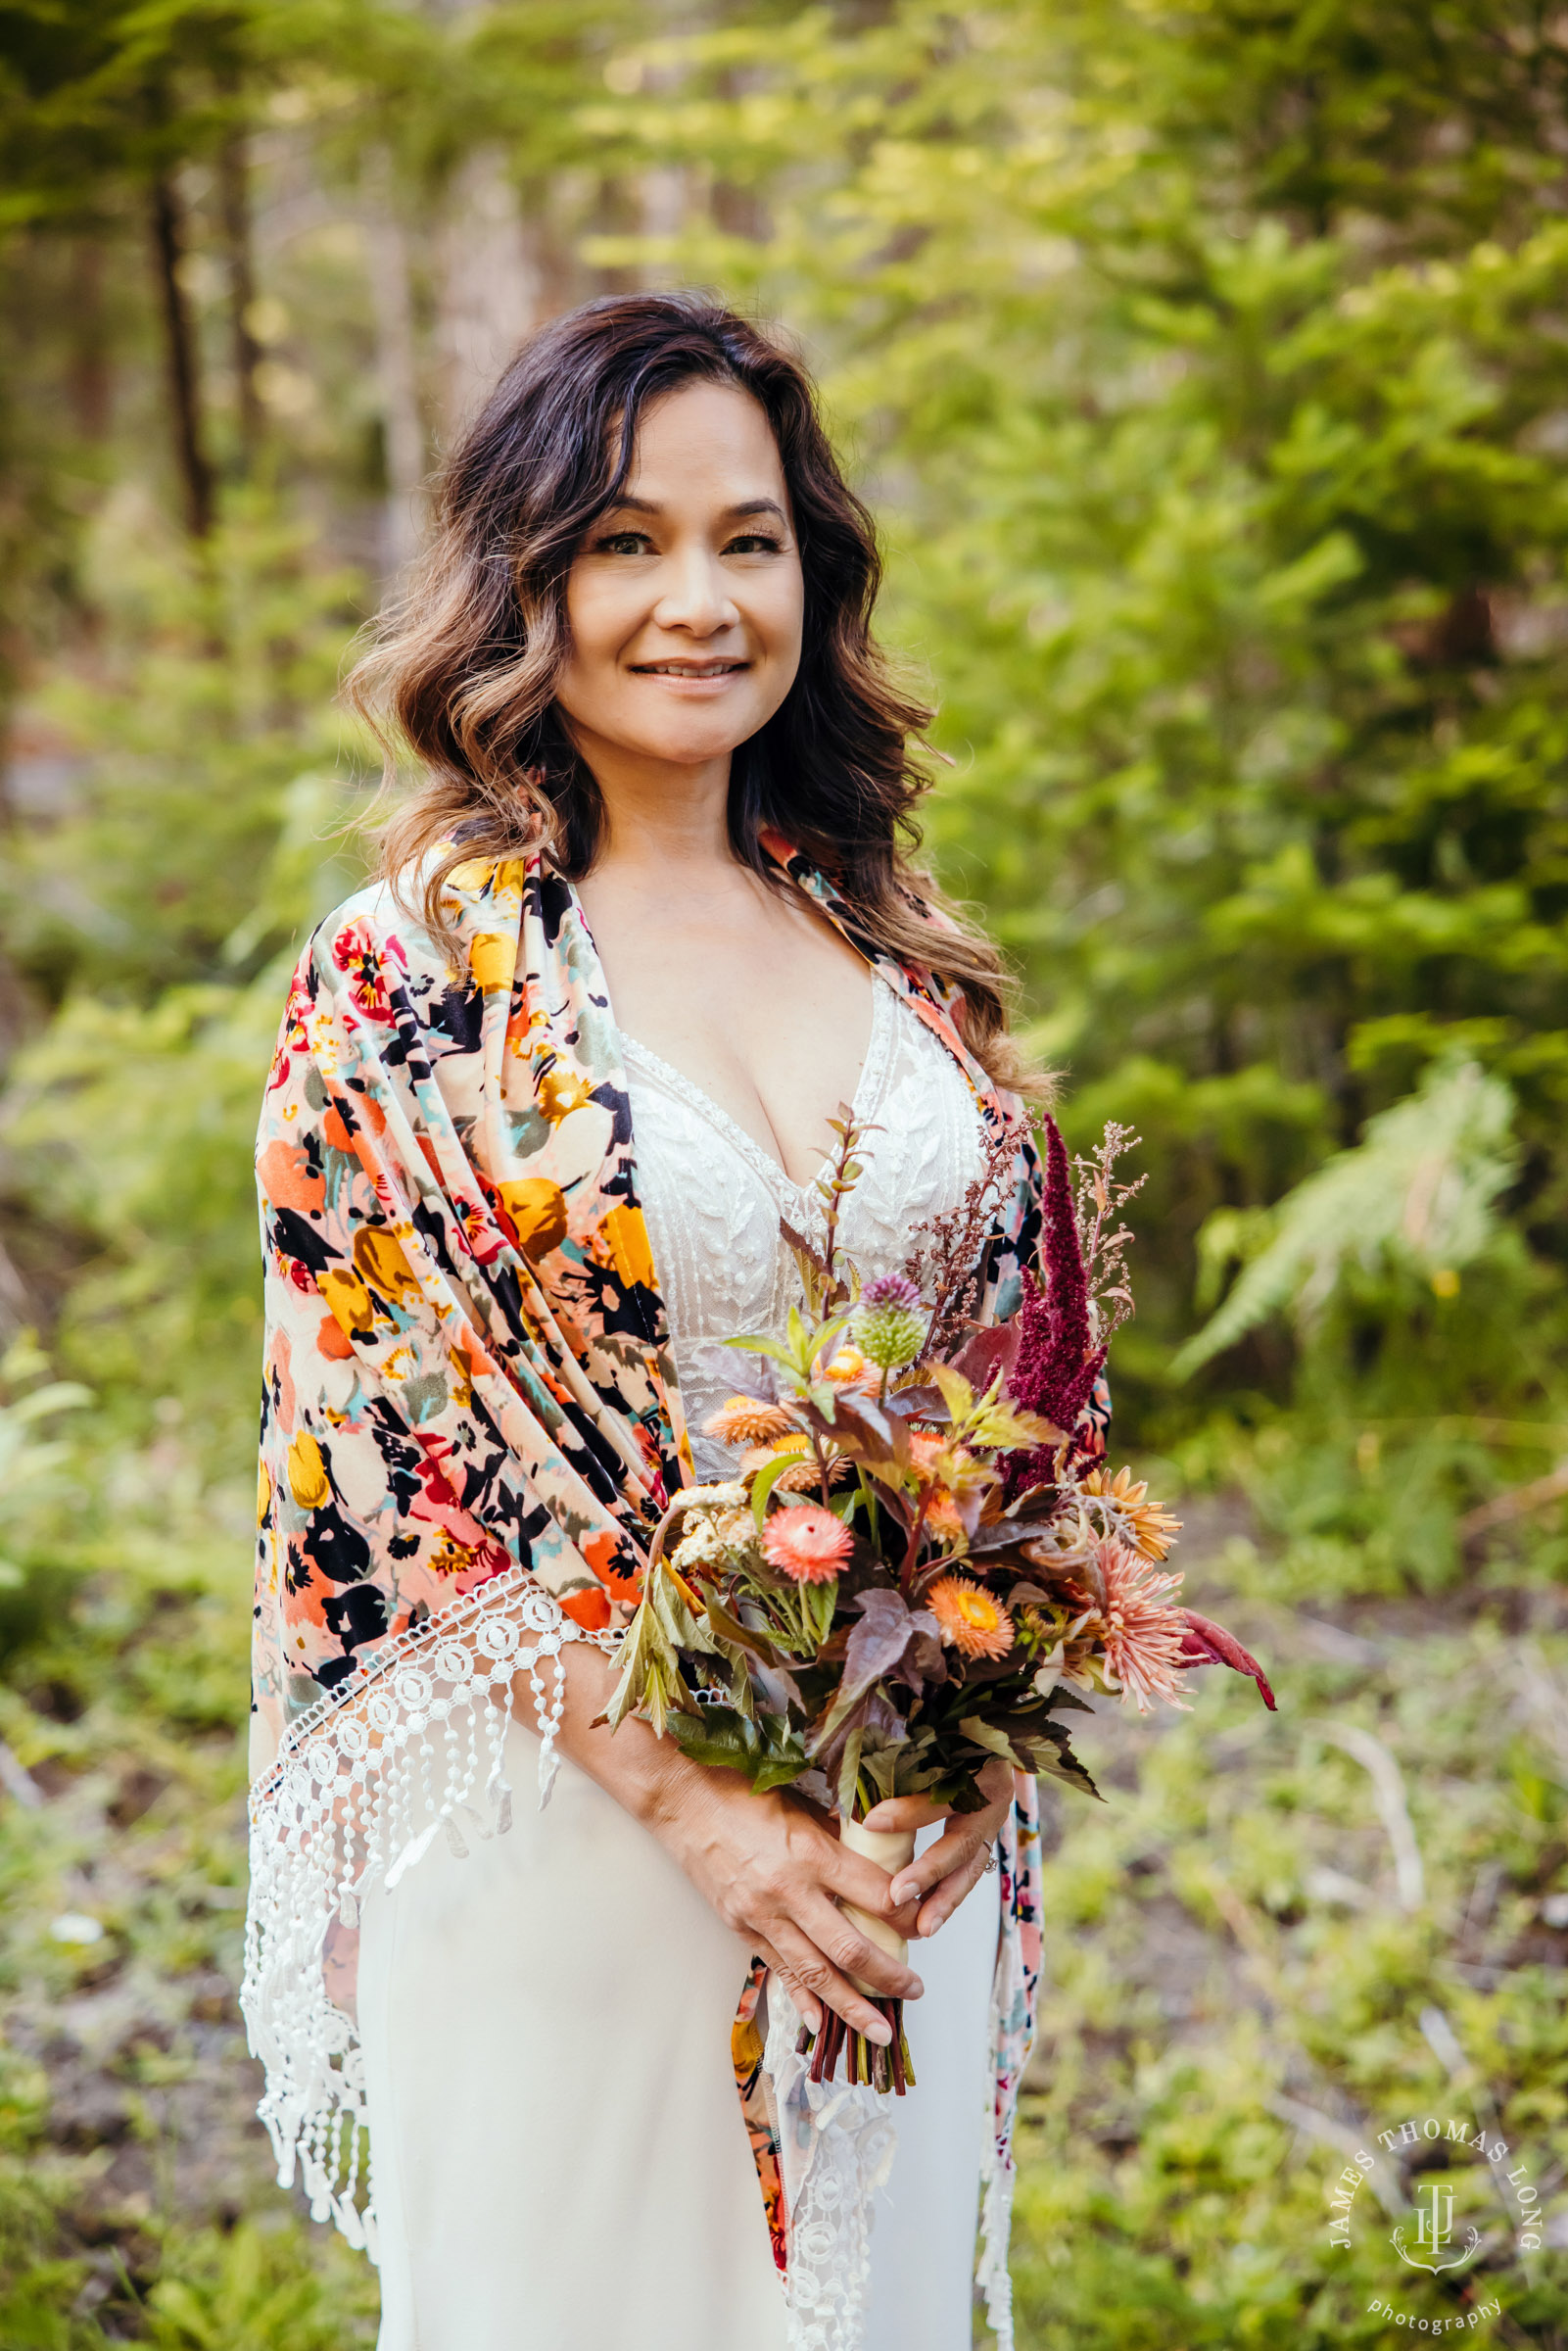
[{"x": 766, "y": 1864}]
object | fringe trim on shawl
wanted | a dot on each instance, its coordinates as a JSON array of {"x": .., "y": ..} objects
[
  {"x": 1009, "y": 2004},
  {"x": 421, "y": 1737},
  {"x": 336, "y": 1814},
  {"x": 836, "y": 2145},
  {"x": 993, "y": 2276}
]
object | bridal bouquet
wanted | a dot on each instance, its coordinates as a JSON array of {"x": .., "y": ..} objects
[{"x": 921, "y": 1562}]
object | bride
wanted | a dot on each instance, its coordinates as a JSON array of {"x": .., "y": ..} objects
[{"x": 541, "y": 1099}]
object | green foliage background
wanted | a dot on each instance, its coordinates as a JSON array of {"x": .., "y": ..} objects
[{"x": 1206, "y": 365}]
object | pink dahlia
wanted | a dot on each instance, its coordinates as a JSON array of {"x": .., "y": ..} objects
[
  {"x": 1144, "y": 1633},
  {"x": 807, "y": 1543}
]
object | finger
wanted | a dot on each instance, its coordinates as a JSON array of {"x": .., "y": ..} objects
[
  {"x": 959, "y": 1846},
  {"x": 853, "y": 1953},
  {"x": 823, "y": 1982},
  {"x": 945, "y": 1898},
  {"x": 904, "y": 1813},
  {"x": 851, "y": 1878},
  {"x": 807, "y": 2007}
]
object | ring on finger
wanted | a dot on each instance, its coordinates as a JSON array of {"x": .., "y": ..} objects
[{"x": 994, "y": 1862}]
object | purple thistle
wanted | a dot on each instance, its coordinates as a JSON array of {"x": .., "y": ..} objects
[
  {"x": 1057, "y": 1362},
  {"x": 891, "y": 1290}
]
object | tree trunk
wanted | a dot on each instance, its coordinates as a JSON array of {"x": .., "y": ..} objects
[
  {"x": 233, "y": 174},
  {"x": 179, "y": 342},
  {"x": 491, "y": 287},
  {"x": 91, "y": 388},
  {"x": 396, "y": 367},
  {"x": 665, "y": 192}
]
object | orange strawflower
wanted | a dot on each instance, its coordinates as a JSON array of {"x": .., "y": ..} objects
[
  {"x": 804, "y": 1473},
  {"x": 757, "y": 1457},
  {"x": 806, "y": 1543},
  {"x": 925, "y": 1452},
  {"x": 743, "y": 1420},
  {"x": 970, "y": 1618},
  {"x": 1148, "y": 1525},
  {"x": 805, "y": 1476},
  {"x": 942, "y": 1519}
]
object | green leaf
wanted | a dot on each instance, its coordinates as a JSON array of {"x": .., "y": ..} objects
[
  {"x": 730, "y": 1632},
  {"x": 779, "y": 1770},
  {"x": 999, "y": 1427},
  {"x": 848, "y": 1774},
  {"x": 681, "y": 1628},
  {"x": 1059, "y": 1763},
  {"x": 956, "y": 1393},
  {"x": 714, "y": 1734},
  {"x": 986, "y": 1735},
  {"x": 764, "y": 1483}
]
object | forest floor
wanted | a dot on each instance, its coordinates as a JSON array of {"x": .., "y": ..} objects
[{"x": 1264, "y": 1947}]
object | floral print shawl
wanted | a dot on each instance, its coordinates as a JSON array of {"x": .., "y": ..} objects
[{"x": 470, "y": 1426}]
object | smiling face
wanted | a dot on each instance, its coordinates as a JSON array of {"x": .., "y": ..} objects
[{"x": 686, "y": 599}]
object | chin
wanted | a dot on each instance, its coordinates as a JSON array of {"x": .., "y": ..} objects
[{"x": 689, "y": 746}]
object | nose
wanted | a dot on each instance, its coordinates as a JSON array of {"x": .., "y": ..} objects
[{"x": 694, "y": 595}]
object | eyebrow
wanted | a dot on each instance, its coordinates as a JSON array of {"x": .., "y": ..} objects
[{"x": 743, "y": 506}]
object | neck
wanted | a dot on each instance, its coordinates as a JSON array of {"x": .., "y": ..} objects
[{"x": 660, "y": 814}]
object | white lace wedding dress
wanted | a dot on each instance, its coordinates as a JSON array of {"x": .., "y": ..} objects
[{"x": 560, "y": 2162}]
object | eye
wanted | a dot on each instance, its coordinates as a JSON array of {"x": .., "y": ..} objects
[
  {"x": 623, "y": 542},
  {"x": 755, "y": 542}
]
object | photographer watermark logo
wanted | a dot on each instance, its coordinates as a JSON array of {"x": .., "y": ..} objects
[
  {"x": 1438, "y": 2179},
  {"x": 1435, "y": 2235}
]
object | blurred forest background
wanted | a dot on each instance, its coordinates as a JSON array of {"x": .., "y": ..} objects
[{"x": 1207, "y": 364}]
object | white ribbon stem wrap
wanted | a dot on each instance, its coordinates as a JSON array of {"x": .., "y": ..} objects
[{"x": 891, "y": 1850}]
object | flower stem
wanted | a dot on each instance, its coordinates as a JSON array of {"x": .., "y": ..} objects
[{"x": 865, "y": 2061}]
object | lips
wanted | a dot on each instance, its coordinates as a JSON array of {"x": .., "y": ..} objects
[{"x": 697, "y": 670}]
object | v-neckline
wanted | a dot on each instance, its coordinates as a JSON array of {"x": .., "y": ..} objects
[{"x": 760, "y": 1160}]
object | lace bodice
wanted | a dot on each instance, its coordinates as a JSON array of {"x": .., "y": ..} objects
[{"x": 713, "y": 1197}]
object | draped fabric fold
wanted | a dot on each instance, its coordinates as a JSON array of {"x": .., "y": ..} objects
[{"x": 470, "y": 1426}]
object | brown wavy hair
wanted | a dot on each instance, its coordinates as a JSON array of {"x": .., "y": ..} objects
[{"x": 462, "y": 671}]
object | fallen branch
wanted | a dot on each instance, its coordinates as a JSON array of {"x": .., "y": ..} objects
[
  {"x": 1389, "y": 2192},
  {"x": 1520, "y": 1502},
  {"x": 1388, "y": 1792},
  {"x": 17, "y": 1781}
]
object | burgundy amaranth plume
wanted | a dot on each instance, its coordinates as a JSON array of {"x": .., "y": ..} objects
[
  {"x": 1208, "y": 1644},
  {"x": 1057, "y": 1362}
]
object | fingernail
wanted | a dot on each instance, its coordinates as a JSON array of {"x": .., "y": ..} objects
[
  {"x": 902, "y": 1891},
  {"x": 880, "y": 2031},
  {"x": 916, "y": 1992}
]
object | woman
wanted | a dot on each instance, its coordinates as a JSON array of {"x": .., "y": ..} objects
[{"x": 541, "y": 1100}]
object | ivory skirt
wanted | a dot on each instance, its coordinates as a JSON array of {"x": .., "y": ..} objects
[{"x": 560, "y": 2162}]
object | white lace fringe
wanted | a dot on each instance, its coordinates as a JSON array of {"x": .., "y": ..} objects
[
  {"x": 337, "y": 1811},
  {"x": 993, "y": 2276},
  {"x": 837, "y": 2150}
]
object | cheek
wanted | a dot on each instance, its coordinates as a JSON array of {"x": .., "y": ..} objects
[
  {"x": 595, "y": 620},
  {"x": 780, "y": 617}
]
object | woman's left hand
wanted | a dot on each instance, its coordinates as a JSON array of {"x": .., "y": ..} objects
[{"x": 955, "y": 1863}]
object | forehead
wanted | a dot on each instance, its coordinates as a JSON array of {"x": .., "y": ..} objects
[{"x": 706, "y": 439}]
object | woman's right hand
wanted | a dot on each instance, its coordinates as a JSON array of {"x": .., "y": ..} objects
[
  {"x": 776, "y": 1873},
  {"x": 769, "y": 1867}
]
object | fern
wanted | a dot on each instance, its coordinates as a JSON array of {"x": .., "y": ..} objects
[{"x": 1417, "y": 1192}]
